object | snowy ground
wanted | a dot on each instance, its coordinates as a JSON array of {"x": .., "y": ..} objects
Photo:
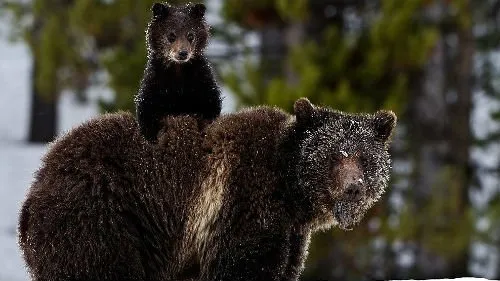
[
  {"x": 457, "y": 279},
  {"x": 17, "y": 163}
]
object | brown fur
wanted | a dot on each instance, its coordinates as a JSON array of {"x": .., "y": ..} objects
[{"x": 234, "y": 204}]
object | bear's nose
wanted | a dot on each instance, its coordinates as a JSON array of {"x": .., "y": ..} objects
[
  {"x": 183, "y": 54},
  {"x": 354, "y": 191}
]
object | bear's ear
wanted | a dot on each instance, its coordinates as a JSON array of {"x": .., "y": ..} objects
[
  {"x": 384, "y": 123},
  {"x": 159, "y": 10},
  {"x": 198, "y": 11},
  {"x": 304, "y": 110}
]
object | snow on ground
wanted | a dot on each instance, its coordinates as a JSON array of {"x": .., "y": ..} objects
[
  {"x": 17, "y": 164},
  {"x": 457, "y": 279}
]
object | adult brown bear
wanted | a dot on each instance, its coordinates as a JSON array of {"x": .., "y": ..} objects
[{"x": 236, "y": 202}]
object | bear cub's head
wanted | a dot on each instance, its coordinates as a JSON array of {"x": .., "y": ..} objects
[
  {"x": 344, "y": 163},
  {"x": 177, "y": 34}
]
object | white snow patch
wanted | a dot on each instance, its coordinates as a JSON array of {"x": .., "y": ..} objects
[
  {"x": 456, "y": 279},
  {"x": 17, "y": 165},
  {"x": 14, "y": 83}
]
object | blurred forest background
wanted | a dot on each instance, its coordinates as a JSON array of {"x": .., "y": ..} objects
[{"x": 431, "y": 61}]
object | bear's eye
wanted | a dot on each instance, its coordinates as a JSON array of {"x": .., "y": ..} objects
[
  {"x": 190, "y": 37},
  {"x": 171, "y": 37}
]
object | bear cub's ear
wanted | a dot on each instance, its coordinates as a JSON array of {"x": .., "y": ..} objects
[
  {"x": 159, "y": 10},
  {"x": 384, "y": 123},
  {"x": 303, "y": 109},
  {"x": 198, "y": 10}
]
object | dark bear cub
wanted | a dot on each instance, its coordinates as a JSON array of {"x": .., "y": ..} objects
[{"x": 178, "y": 79}]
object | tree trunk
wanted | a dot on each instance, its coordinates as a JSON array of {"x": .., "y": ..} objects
[
  {"x": 460, "y": 137},
  {"x": 43, "y": 113}
]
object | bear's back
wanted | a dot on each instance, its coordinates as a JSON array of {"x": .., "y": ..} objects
[
  {"x": 242, "y": 160},
  {"x": 102, "y": 139},
  {"x": 106, "y": 204},
  {"x": 249, "y": 130}
]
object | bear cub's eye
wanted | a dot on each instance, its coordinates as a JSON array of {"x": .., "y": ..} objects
[
  {"x": 171, "y": 37},
  {"x": 190, "y": 37}
]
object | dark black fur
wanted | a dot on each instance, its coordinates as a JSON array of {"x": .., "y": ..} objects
[
  {"x": 236, "y": 202},
  {"x": 172, "y": 86}
]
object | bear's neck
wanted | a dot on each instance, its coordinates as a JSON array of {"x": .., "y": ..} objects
[{"x": 299, "y": 207}]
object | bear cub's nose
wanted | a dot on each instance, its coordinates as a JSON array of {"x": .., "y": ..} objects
[
  {"x": 182, "y": 55},
  {"x": 354, "y": 191}
]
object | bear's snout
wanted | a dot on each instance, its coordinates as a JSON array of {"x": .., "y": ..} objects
[
  {"x": 355, "y": 191},
  {"x": 182, "y": 55},
  {"x": 354, "y": 184},
  {"x": 351, "y": 179}
]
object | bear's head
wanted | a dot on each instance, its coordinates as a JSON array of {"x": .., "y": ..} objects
[
  {"x": 177, "y": 34},
  {"x": 344, "y": 164}
]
